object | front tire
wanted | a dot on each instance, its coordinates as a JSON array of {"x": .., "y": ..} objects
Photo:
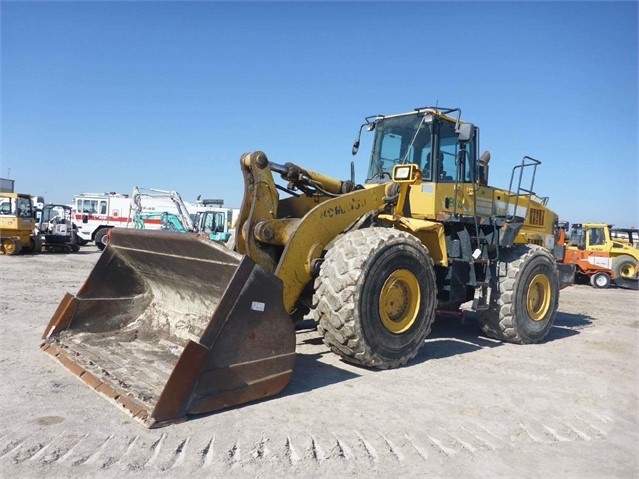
[
  {"x": 524, "y": 297},
  {"x": 11, "y": 246},
  {"x": 600, "y": 280},
  {"x": 375, "y": 297}
]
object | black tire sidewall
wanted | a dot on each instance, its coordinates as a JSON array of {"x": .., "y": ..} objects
[
  {"x": 529, "y": 329},
  {"x": 376, "y": 271},
  {"x": 99, "y": 238}
]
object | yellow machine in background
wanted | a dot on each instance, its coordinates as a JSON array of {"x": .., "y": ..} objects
[
  {"x": 626, "y": 235},
  {"x": 602, "y": 258},
  {"x": 170, "y": 325},
  {"x": 17, "y": 223}
]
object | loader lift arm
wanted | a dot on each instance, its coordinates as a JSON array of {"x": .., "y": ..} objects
[{"x": 287, "y": 237}]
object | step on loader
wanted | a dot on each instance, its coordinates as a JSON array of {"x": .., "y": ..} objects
[{"x": 172, "y": 325}]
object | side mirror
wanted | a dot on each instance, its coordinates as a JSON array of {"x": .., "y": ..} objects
[
  {"x": 85, "y": 218},
  {"x": 465, "y": 132},
  {"x": 369, "y": 127}
]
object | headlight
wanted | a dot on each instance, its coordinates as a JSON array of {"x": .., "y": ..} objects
[{"x": 401, "y": 172}]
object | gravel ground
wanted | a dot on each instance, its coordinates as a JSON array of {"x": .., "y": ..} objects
[{"x": 466, "y": 406}]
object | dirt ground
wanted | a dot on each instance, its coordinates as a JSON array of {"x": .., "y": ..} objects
[{"x": 466, "y": 406}]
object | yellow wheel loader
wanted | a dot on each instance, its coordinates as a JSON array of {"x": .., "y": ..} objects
[{"x": 172, "y": 325}]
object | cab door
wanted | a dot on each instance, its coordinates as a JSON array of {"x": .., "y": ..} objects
[{"x": 458, "y": 192}]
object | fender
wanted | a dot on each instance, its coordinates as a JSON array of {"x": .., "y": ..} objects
[{"x": 430, "y": 233}]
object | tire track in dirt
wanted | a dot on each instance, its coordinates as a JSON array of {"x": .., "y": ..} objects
[{"x": 172, "y": 452}]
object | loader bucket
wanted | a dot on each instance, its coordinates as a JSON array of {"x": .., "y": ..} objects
[{"x": 169, "y": 325}]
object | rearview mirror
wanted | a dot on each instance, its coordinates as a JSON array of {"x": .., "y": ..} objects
[{"x": 465, "y": 131}]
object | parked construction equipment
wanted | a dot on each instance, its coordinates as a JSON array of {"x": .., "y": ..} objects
[
  {"x": 17, "y": 223},
  {"x": 146, "y": 211},
  {"x": 214, "y": 222},
  {"x": 56, "y": 229},
  {"x": 170, "y": 325},
  {"x": 97, "y": 213},
  {"x": 601, "y": 258}
]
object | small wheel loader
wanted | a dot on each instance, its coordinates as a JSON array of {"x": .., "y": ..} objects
[{"x": 173, "y": 325}]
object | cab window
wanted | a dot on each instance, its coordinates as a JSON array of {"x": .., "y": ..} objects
[
  {"x": 596, "y": 236},
  {"x": 24, "y": 208},
  {"x": 87, "y": 206},
  {"x": 450, "y": 153},
  {"x": 5, "y": 207}
]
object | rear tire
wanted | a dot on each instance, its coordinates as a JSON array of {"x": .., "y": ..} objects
[
  {"x": 101, "y": 238},
  {"x": 375, "y": 297},
  {"x": 524, "y": 297},
  {"x": 625, "y": 267},
  {"x": 600, "y": 280},
  {"x": 37, "y": 244},
  {"x": 34, "y": 246}
]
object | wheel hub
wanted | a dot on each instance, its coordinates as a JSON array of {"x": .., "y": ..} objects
[
  {"x": 628, "y": 271},
  {"x": 538, "y": 297},
  {"x": 399, "y": 301}
]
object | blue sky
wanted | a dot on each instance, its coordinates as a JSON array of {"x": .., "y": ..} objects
[{"x": 106, "y": 96}]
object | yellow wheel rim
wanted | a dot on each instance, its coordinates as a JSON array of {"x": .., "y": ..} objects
[
  {"x": 538, "y": 297},
  {"x": 399, "y": 301},
  {"x": 9, "y": 247},
  {"x": 628, "y": 271}
]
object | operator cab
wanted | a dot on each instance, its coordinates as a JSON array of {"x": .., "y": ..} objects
[{"x": 444, "y": 148}]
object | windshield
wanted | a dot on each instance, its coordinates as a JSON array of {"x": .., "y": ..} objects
[
  {"x": 403, "y": 139},
  {"x": 91, "y": 206},
  {"x": 419, "y": 139}
]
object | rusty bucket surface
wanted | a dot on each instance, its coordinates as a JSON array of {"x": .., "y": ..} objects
[{"x": 168, "y": 325}]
